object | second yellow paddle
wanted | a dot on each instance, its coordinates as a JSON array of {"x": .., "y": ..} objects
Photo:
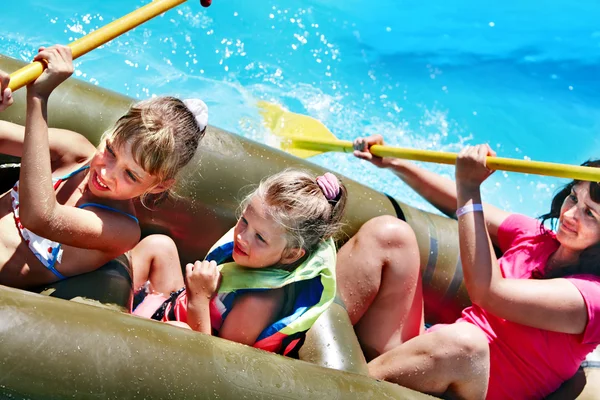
[
  {"x": 30, "y": 72},
  {"x": 304, "y": 137}
]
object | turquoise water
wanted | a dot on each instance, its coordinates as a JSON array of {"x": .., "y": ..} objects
[{"x": 522, "y": 77}]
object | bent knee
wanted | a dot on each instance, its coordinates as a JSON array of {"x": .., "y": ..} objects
[
  {"x": 154, "y": 247},
  {"x": 157, "y": 243},
  {"x": 390, "y": 232},
  {"x": 463, "y": 340}
]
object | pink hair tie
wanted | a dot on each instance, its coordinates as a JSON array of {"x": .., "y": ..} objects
[{"x": 330, "y": 185}]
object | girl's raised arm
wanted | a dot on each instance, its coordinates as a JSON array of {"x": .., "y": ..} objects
[{"x": 39, "y": 210}]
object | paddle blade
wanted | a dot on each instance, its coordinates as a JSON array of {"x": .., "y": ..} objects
[{"x": 287, "y": 125}]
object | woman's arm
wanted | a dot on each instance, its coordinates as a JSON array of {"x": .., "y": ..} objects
[
  {"x": 555, "y": 304},
  {"x": 437, "y": 190},
  {"x": 251, "y": 314}
]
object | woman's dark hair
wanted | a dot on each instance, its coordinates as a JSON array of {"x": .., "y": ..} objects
[{"x": 589, "y": 260}]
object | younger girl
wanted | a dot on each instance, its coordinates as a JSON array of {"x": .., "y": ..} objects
[
  {"x": 72, "y": 210},
  {"x": 277, "y": 267}
]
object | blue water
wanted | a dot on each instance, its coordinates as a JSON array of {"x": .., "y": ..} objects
[{"x": 433, "y": 75}]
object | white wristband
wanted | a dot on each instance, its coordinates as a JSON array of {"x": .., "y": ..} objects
[{"x": 469, "y": 208}]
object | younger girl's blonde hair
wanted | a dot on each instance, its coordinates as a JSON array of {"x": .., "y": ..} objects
[
  {"x": 163, "y": 134},
  {"x": 294, "y": 199}
]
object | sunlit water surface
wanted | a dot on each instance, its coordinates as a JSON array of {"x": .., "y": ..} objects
[{"x": 437, "y": 75}]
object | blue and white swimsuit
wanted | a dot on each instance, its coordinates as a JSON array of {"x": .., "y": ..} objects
[{"x": 48, "y": 252}]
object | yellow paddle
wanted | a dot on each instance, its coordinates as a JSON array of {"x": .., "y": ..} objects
[
  {"x": 89, "y": 42},
  {"x": 304, "y": 137}
]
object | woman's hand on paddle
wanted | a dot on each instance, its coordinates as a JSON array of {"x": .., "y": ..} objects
[
  {"x": 6, "y": 98},
  {"x": 202, "y": 279},
  {"x": 362, "y": 150},
  {"x": 471, "y": 169},
  {"x": 59, "y": 67}
]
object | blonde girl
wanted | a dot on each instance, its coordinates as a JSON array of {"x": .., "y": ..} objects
[
  {"x": 265, "y": 282},
  {"x": 72, "y": 209}
]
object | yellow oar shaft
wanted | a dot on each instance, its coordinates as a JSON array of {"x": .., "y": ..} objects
[
  {"x": 499, "y": 163},
  {"x": 81, "y": 46}
]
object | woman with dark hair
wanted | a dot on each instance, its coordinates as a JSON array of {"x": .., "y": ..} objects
[
  {"x": 589, "y": 259},
  {"x": 536, "y": 310}
]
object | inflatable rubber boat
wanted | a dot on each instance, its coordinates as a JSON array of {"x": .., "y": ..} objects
[{"x": 75, "y": 339}]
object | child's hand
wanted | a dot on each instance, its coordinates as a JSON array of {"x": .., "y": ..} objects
[
  {"x": 59, "y": 66},
  {"x": 6, "y": 98},
  {"x": 203, "y": 279}
]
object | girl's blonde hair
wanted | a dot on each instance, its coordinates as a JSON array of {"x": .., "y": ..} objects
[
  {"x": 163, "y": 134},
  {"x": 295, "y": 200}
]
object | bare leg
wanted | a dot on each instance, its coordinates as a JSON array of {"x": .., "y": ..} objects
[
  {"x": 155, "y": 258},
  {"x": 380, "y": 283},
  {"x": 452, "y": 361}
]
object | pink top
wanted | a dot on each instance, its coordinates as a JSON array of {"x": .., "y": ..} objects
[{"x": 526, "y": 362}]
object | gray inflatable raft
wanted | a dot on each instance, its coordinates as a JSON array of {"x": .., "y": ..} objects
[{"x": 89, "y": 347}]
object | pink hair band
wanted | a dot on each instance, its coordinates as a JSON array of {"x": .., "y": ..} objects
[{"x": 330, "y": 185}]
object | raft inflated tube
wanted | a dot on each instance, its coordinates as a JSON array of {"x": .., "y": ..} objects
[
  {"x": 209, "y": 196},
  {"x": 210, "y": 187},
  {"x": 55, "y": 349},
  {"x": 209, "y": 192}
]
